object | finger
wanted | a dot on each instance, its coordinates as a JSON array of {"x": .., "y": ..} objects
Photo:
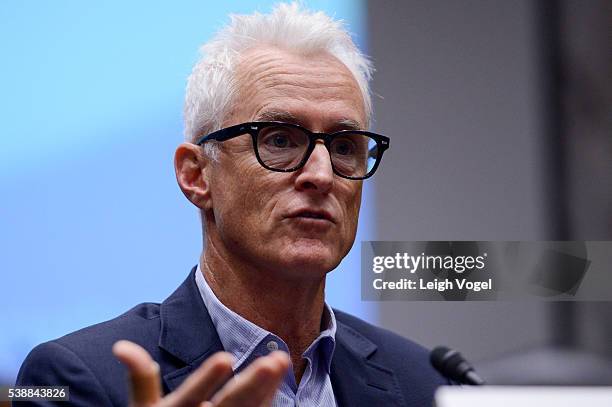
[
  {"x": 256, "y": 384},
  {"x": 203, "y": 383},
  {"x": 267, "y": 401},
  {"x": 145, "y": 388}
]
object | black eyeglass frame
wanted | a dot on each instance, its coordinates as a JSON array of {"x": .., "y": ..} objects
[{"x": 253, "y": 128}]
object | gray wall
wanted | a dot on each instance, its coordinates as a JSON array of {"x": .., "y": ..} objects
[
  {"x": 587, "y": 112},
  {"x": 460, "y": 98}
]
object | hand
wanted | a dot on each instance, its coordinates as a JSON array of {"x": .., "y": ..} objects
[{"x": 210, "y": 385}]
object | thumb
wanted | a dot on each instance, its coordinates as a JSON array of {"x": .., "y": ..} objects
[{"x": 145, "y": 387}]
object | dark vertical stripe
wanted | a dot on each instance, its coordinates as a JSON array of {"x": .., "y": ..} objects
[
  {"x": 552, "y": 78},
  {"x": 552, "y": 74}
]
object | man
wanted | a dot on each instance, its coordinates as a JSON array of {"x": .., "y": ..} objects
[{"x": 276, "y": 116}]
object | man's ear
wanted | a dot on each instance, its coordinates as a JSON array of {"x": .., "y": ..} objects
[{"x": 192, "y": 169}]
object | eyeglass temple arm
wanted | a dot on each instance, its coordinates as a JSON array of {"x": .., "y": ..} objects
[{"x": 224, "y": 134}]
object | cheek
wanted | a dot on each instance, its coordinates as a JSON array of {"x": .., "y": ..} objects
[
  {"x": 352, "y": 196},
  {"x": 246, "y": 195}
]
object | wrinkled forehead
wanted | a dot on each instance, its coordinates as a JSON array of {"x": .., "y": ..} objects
[{"x": 314, "y": 90}]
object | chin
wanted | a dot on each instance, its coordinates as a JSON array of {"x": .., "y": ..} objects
[{"x": 310, "y": 258}]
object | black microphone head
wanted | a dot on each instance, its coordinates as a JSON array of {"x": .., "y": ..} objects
[
  {"x": 438, "y": 356},
  {"x": 452, "y": 365}
]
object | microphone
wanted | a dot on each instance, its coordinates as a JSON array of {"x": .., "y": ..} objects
[{"x": 452, "y": 365}]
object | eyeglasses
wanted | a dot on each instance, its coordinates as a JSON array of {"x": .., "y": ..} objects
[{"x": 286, "y": 147}]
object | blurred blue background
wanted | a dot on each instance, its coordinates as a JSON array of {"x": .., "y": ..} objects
[{"x": 92, "y": 221}]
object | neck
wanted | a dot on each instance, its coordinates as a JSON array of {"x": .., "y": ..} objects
[{"x": 290, "y": 309}]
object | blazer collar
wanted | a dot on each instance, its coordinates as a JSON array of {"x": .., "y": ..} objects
[
  {"x": 356, "y": 380},
  {"x": 187, "y": 332}
]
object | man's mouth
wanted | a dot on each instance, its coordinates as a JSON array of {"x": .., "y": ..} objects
[{"x": 312, "y": 214}]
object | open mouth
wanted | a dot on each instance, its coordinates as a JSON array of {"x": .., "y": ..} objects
[{"x": 312, "y": 214}]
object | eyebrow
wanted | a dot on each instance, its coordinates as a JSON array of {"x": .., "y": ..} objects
[
  {"x": 287, "y": 117},
  {"x": 276, "y": 116},
  {"x": 349, "y": 124}
]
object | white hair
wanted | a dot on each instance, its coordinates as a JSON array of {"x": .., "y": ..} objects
[{"x": 211, "y": 87}]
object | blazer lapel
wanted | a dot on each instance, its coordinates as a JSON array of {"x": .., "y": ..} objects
[
  {"x": 356, "y": 380},
  {"x": 187, "y": 332}
]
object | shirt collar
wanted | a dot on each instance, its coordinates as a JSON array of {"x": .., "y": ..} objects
[{"x": 241, "y": 337}]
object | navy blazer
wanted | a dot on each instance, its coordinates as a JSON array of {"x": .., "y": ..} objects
[{"x": 370, "y": 366}]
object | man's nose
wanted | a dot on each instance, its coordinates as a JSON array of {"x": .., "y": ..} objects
[{"x": 317, "y": 174}]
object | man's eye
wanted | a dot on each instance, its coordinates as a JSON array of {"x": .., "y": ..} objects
[
  {"x": 279, "y": 140},
  {"x": 344, "y": 148}
]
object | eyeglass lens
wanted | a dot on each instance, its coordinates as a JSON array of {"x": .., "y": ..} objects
[{"x": 284, "y": 147}]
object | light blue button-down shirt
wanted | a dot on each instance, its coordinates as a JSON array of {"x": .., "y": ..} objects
[{"x": 247, "y": 341}]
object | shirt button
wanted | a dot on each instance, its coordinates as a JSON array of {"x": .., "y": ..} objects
[{"x": 272, "y": 346}]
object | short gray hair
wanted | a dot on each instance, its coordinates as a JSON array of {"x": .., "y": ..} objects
[{"x": 211, "y": 87}]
